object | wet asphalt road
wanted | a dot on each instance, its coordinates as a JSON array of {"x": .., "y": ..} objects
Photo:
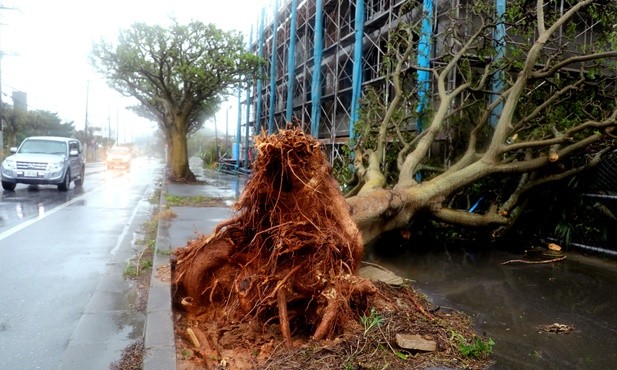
[{"x": 55, "y": 248}]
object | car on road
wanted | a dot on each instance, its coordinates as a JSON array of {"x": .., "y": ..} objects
[
  {"x": 44, "y": 160},
  {"x": 119, "y": 156}
]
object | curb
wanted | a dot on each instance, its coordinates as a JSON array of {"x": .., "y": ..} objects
[{"x": 159, "y": 342}]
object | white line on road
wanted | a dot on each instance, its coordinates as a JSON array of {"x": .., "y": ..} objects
[
  {"x": 30, "y": 222},
  {"x": 128, "y": 224}
]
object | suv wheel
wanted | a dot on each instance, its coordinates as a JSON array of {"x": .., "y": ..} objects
[
  {"x": 66, "y": 182},
  {"x": 80, "y": 181},
  {"x": 8, "y": 185}
]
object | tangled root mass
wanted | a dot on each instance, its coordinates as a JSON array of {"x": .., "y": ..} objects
[{"x": 291, "y": 253}]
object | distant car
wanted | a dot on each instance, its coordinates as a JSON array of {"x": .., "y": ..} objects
[
  {"x": 44, "y": 160},
  {"x": 119, "y": 156}
]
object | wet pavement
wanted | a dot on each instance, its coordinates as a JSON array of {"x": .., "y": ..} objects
[
  {"x": 188, "y": 225},
  {"x": 511, "y": 303},
  {"x": 64, "y": 303}
]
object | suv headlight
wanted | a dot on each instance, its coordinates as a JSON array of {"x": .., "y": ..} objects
[
  {"x": 54, "y": 166},
  {"x": 9, "y": 164}
]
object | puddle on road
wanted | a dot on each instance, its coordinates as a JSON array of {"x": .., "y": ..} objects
[{"x": 512, "y": 303}]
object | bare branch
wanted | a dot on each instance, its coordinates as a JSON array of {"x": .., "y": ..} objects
[
  {"x": 460, "y": 217},
  {"x": 548, "y": 102},
  {"x": 574, "y": 60},
  {"x": 540, "y": 16}
]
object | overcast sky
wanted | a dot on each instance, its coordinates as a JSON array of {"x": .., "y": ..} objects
[{"x": 46, "y": 45}]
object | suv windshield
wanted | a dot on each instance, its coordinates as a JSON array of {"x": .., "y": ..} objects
[{"x": 43, "y": 146}]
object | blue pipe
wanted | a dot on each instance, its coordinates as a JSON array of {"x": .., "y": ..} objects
[
  {"x": 260, "y": 54},
  {"x": 317, "y": 55},
  {"x": 248, "y": 116},
  {"x": 272, "y": 102},
  {"x": 291, "y": 63},
  {"x": 424, "y": 61},
  {"x": 473, "y": 208},
  {"x": 238, "y": 130},
  {"x": 357, "y": 68},
  {"x": 499, "y": 41}
]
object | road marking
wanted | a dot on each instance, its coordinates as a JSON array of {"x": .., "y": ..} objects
[
  {"x": 127, "y": 226},
  {"x": 32, "y": 221}
]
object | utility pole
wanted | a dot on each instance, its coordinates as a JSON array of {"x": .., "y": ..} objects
[
  {"x": 109, "y": 124},
  {"x": 86, "y": 121},
  {"x": 117, "y": 126}
]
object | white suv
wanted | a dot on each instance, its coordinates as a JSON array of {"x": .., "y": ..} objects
[{"x": 44, "y": 160}]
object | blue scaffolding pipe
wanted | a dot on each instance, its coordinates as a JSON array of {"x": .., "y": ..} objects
[
  {"x": 317, "y": 55},
  {"x": 424, "y": 61},
  {"x": 291, "y": 63},
  {"x": 248, "y": 115},
  {"x": 260, "y": 54},
  {"x": 238, "y": 129},
  {"x": 499, "y": 41},
  {"x": 357, "y": 67},
  {"x": 272, "y": 102}
]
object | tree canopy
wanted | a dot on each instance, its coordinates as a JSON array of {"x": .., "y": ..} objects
[
  {"x": 553, "y": 116},
  {"x": 178, "y": 74}
]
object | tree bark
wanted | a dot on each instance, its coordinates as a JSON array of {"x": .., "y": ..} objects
[{"x": 179, "y": 162}]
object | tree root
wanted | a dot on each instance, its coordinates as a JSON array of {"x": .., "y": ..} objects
[
  {"x": 292, "y": 245},
  {"x": 419, "y": 307},
  {"x": 283, "y": 317},
  {"x": 328, "y": 319}
]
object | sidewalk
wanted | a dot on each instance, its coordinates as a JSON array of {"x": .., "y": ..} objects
[{"x": 160, "y": 351}]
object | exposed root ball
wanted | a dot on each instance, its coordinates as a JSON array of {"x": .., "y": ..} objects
[{"x": 289, "y": 255}]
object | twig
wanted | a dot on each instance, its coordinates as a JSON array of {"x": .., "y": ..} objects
[{"x": 536, "y": 262}]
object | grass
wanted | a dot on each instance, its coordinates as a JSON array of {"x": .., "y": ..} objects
[
  {"x": 165, "y": 215},
  {"x": 371, "y": 321},
  {"x": 130, "y": 270},
  {"x": 164, "y": 252},
  {"x": 144, "y": 261},
  {"x": 155, "y": 198},
  {"x": 193, "y": 201},
  {"x": 187, "y": 353},
  {"x": 478, "y": 348}
]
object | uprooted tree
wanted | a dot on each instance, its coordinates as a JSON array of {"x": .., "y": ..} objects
[
  {"x": 558, "y": 114},
  {"x": 291, "y": 252},
  {"x": 285, "y": 270}
]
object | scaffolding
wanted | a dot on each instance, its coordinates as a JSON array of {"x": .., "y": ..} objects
[
  {"x": 321, "y": 55},
  {"x": 314, "y": 86}
]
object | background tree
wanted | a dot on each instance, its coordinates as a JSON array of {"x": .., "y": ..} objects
[
  {"x": 179, "y": 76},
  {"x": 558, "y": 115},
  {"x": 20, "y": 123},
  {"x": 94, "y": 143}
]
